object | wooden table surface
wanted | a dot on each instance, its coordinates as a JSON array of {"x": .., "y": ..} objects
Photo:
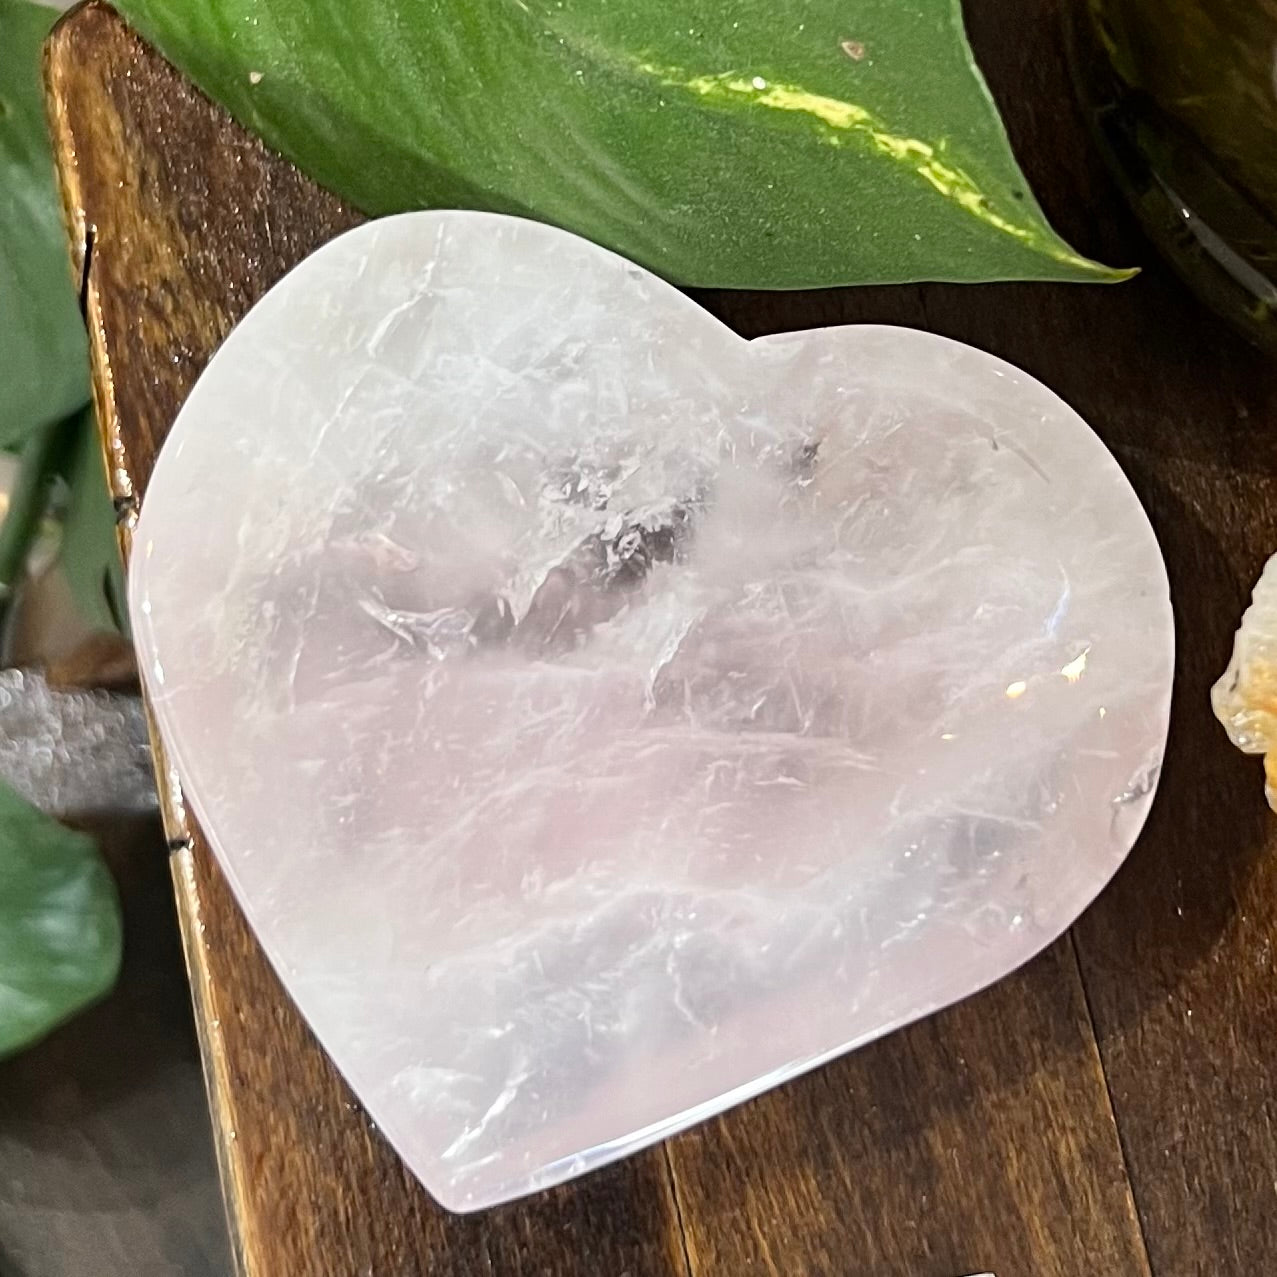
[{"x": 1108, "y": 1110}]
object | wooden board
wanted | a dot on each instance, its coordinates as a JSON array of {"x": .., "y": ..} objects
[{"x": 983, "y": 1139}]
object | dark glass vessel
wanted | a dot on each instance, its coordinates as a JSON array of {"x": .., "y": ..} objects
[{"x": 1183, "y": 97}]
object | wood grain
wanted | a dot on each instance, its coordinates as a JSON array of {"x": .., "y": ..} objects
[
  {"x": 981, "y": 1139},
  {"x": 978, "y": 1139}
]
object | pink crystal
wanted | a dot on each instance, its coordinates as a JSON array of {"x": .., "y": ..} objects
[{"x": 601, "y": 718}]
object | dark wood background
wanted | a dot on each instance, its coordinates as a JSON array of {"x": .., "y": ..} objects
[{"x": 1107, "y": 1110}]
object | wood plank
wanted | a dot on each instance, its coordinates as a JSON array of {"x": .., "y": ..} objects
[
  {"x": 980, "y": 1139},
  {"x": 190, "y": 221}
]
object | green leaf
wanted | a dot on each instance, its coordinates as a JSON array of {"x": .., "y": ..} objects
[
  {"x": 721, "y": 142},
  {"x": 28, "y": 501},
  {"x": 44, "y": 362},
  {"x": 90, "y": 551},
  {"x": 59, "y": 923}
]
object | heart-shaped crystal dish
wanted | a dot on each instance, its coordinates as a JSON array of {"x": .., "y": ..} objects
[{"x": 602, "y": 718}]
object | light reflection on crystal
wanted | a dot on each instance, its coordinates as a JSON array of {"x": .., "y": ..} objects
[{"x": 1076, "y": 667}]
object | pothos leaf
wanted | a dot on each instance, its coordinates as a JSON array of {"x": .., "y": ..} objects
[
  {"x": 60, "y": 935},
  {"x": 738, "y": 143},
  {"x": 90, "y": 552},
  {"x": 44, "y": 363}
]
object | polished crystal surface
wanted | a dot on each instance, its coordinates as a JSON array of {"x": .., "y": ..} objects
[{"x": 602, "y": 718}]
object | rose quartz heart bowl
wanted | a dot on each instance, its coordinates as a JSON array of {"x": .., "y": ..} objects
[{"x": 601, "y": 718}]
